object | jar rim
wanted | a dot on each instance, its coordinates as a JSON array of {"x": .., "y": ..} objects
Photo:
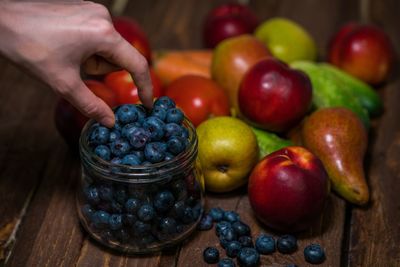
[{"x": 139, "y": 173}]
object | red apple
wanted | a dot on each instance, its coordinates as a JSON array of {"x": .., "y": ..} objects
[
  {"x": 199, "y": 97},
  {"x": 364, "y": 51},
  {"x": 226, "y": 21},
  {"x": 69, "y": 121},
  {"x": 125, "y": 89},
  {"x": 273, "y": 96},
  {"x": 288, "y": 189},
  {"x": 133, "y": 33}
]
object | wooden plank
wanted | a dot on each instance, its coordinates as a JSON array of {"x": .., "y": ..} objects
[{"x": 375, "y": 235}]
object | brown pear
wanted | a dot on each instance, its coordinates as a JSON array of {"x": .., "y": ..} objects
[{"x": 338, "y": 137}]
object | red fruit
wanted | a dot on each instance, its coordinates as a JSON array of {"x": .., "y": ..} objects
[
  {"x": 364, "y": 51},
  {"x": 288, "y": 189},
  {"x": 273, "y": 96},
  {"x": 69, "y": 121},
  {"x": 200, "y": 98},
  {"x": 125, "y": 89},
  {"x": 226, "y": 21},
  {"x": 133, "y": 33}
]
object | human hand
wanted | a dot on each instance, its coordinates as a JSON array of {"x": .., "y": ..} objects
[{"x": 53, "y": 39}]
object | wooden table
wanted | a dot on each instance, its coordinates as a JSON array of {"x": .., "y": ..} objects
[{"x": 38, "y": 173}]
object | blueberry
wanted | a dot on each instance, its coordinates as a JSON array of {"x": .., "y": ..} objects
[
  {"x": 233, "y": 248},
  {"x": 120, "y": 147},
  {"x": 154, "y": 152},
  {"x": 122, "y": 235},
  {"x": 100, "y": 219},
  {"x": 128, "y": 219},
  {"x": 248, "y": 257},
  {"x": 188, "y": 215},
  {"x": 185, "y": 133},
  {"x": 164, "y": 102},
  {"x": 120, "y": 194},
  {"x": 132, "y": 205},
  {"x": 99, "y": 135},
  {"x": 114, "y": 135},
  {"x": 314, "y": 254},
  {"x": 159, "y": 112},
  {"x": 167, "y": 225},
  {"x": 211, "y": 255},
  {"x": 168, "y": 156},
  {"x": 286, "y": 244},
  {"x": 206, "y": 223},
  {"x": 174, "y": 115},
  {"x": 141, "y": 228},
  {"x": 179, "y": 209},
  {"x": 115, "y": 221},
  {"x": 172, "y": 129},
  {"x": 179, "y": 228},
  {"x": 226, "y": 262},
  {"x": 231, "y": 216},
  {"x": 131, "y": 160},
  {"x": 228, "y": 234},
  {"x": 197, "y": 211},
  {"x": 217, "y": 214},
  {"x": 241, "y": 228},
  {"x": 291, "y": 265},
  {"x": 223, "y": 242},
  {"x": 139, "y": 154},
  {"x": 265, "y": 244},
  {"x": 139, "y": 138},
  {"x": 116, "y": 160},
  {"x": 92, "y": 195},
  {"x": 163, "y": 201},
  {"x": 246, "y": 241},
  {"x": 141, "y": 113},
  {"x": 127, "y": 113},
  {"x": 116, "y": 207},
  {"x": 221, "y": 226},
  {"x": 176, "y": 145},
  {"x": 146, "y": 213},
  {"x": 155, "y": 127},
  {"x": 103, "y": 152},
  {"x": 128, "y": 130},
  {"x": 105, "y": 192},
  {"x": 87, "y": 211},
  {"x": 178, "y": 188}
]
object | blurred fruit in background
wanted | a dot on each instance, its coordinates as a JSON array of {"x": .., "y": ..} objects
[
  {"x": 133, "y": 33},
  {"x": 231, "y": 59},
  {"x": 125, "y": 89},
  {"x": 287, "y": 40},
  {"x": 364, "y": 51},
  {"x": 200, "y": 98},
  {"x": 228, "y": 20},
  {"x": 172, "y": 64}
]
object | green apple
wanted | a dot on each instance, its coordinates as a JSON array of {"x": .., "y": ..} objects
[
  {"x": 287, "y": 40},
  {"x": 228, "y": 151}
]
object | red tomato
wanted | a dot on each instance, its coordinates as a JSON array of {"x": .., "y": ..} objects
[
  {"x": 125, "y": 89},
  {"x": 199, "y": 97}
]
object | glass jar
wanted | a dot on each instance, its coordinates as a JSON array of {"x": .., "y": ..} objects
[{"x": 140, "y": 209}]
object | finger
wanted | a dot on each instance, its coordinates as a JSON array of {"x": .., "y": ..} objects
[
  {"x": 125, "y": 55},
  {"x": 96, "y": 65},
  {"x": 88, "y": 103}
]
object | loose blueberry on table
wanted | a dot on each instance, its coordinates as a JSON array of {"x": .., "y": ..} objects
[
  {"x": 287, "y": 244},
  {"x": 314, "y": 254},
  {"x": 211, "y": 255},
  {"x": 147, "y": 214}
]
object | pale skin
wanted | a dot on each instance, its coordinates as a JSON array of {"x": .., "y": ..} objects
[{"x": 53, "y": 40}]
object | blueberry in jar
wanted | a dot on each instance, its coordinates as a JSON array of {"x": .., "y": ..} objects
[
  {"x": 314, "y": 254},
  {"x": 248, "y": 257},
  {"x": 174, "y": 115},
  {"x": 211, "y": 255},
  {"x": 122, "y": 235},
  {"x": 164, "y": 102},
  {"x": 139, "y": 154},
  {"x": 226, "y": 262},
  {"x": 128, "y": 219},
  {"x": 87, "y": 211},
  {"x": 120, "y": 194},
  {"x": 100, "y": 219},
  {"x": 167, "y": 225},
  {"x": 103, "y": 152},
  {"x": 128, "y": 129},
  {"x": 159, "y": 112},
  {"x": 163, "y": 201},
  {"x": 188, "y": 215},
  {"x": 206, "y": 223},
  {"x": 265, "y": 244},
  {"x": 105, "y": 192},
  {"x": 146, "y": 213},
  {"x": 155, "y": 127},
  {"x": 173, "y": 129},
  {"x": 132, "y": 205},
  {"x": 99, "y": 135},
  {"x": 126, "y": 114},
  {"x": 139, "y": 138},
  {"x": 140, "y": 228},
  {"x": 131, "y": 160},
  {"x": 115, "y": 221},
  {"x": 168, "y": 156},
  {"x": 233, "y": 248},
  {"x": 120, "y": 147},
  {"x": 154, "y": 152},
  {"x": 286, "y": 244},
  {"x": 114, "y": 135},
  {"x": 92, "y": 195},
  {"x": 176, "y": 145}
]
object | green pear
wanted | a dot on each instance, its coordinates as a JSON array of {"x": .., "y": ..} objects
[
  {"x": 339, "y": 138},
  {"x": 287, "y": 40}
]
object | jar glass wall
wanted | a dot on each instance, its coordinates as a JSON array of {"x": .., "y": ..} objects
[{"x": 140, "y": 209}]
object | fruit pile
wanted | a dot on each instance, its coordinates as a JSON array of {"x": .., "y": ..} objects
[
  {"x": 142, "y": 215},
  {"x": 235, "y": 238}
]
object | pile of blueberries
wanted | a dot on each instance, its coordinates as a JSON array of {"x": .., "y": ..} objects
[
  {"x": 146, "y": 215},
  {"x": 235, "y": 238}
]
